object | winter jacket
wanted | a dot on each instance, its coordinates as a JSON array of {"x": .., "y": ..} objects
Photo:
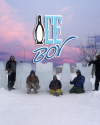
[
  {"x": 11, "y": 66},
  {"x": 33, "y": 80},
  {"x": 55, "y": 85},
  {"x": 97, "y": 65},
  {"x": 78, "y": 81}
]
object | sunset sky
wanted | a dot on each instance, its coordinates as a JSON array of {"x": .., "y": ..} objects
[{"x": 18, "y": 19}]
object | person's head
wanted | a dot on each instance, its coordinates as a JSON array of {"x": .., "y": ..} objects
[
  {"x": 32, "y": 74},
  {"x": 78, "y": 72},
  {"x": 12, "y": 58},
  {"x": 54, "y": 77},
  {"x": 98, "y": 57}
]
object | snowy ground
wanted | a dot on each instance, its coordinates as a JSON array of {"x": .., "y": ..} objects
[{"x": 19, "y": 108}]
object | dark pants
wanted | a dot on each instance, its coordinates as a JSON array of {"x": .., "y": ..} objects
[
  {"x": 11, "y": 79},
  {"x": 97, "y": 81},
  {"x": 77, "y": 90}
]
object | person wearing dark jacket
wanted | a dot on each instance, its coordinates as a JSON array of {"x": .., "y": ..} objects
[
  {"x": 55, "y": 86},
  {"x": 78, "y": 83},
  {"x": 11, "y": 68},
  {"x": 97, "y": 71}
]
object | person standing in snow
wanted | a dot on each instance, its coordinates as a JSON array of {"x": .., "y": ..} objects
[
  {"x": 97, "y": 71},
  {"x": 11, "y": 68},
  {"x": 78, "y": 83},
  {"x": 32, "y": 82},
  {"x": 55, "y": 86}
]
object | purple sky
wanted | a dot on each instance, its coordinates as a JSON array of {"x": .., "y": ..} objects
[{"x": 18, "y": 19}]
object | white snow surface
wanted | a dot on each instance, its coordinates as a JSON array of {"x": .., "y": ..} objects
[{"x": 19, "y": 108}]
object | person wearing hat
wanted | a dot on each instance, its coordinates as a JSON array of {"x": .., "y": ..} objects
[
  {"x": 11, "y": 68},
  {"x": 55, "y": 86},
  {"x": 78, "y": 83},
  {"x": 32, "y": 82},
  {"x": 97, "y": 71}
]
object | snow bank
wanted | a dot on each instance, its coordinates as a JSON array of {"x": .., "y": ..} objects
[{"x": 19, "y": 108}]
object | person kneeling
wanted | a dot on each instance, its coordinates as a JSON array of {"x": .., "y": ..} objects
[
  {"x": 55, "y": 86},
  {"x": 32, "y": 82},
  {"x": 78, "y": 83}
]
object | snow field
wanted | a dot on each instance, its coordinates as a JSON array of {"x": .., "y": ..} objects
[{"x": 19, "y": 108}]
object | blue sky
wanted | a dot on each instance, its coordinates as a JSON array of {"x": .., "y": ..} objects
[
  {"x": 85, "y": 14},
  {"x": 18, "y": 19}
]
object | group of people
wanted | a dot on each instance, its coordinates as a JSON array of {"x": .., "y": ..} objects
[{"x": 55, "y": 85}]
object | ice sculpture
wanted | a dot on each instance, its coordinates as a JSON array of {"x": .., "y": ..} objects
[
  {"x": 44, "y": 73},
  {"x": 66, "y": 77},
  {"x": 22, "y": 72},
  {"x": 3, "y": 76}
]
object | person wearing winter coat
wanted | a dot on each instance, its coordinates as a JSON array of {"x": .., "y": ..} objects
[
  {"x": 78, "y": 83},
  {"x": 11, "y": 68},
  {"x": 32, "y": 82},
  {"x": 97, "y": 71},
  {"x": 55, "y": 86}
]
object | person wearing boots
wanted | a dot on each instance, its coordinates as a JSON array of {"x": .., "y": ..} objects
[
  {"x": 97, "y": 71},
  {"x": 55, "y": 86},
  {"x": 32, "y": 82},
  {"x": 78, "y": 83},
  {"x": 11, "y": 68}
]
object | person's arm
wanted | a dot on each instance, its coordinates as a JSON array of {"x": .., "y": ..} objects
[
  {"x": 91, "y": 62},
  {"x": 16, "y": 63},
  {"x": 37, "y": 80},
  {"x": 60, "y": 85},
  {"x": 7, "y": 66},
  {"x": 82, "y": 80},
  {"x": 27, "y": 80},
  {"x": 72, "y": 82},
  {"x": 50, "y": 85}
]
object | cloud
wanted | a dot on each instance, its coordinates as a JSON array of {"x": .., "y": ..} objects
[
  {"x": 12, "y": 26},
  {"x": 2, "y": 59},
  {"x": 70, "y": 16},
  {"x": 13, "y": 31},
  {"x": 3, "y": 53},
  {"x": 67, "y": 13},
  {"x": 65, "y": 9},
  {"x": 68, "y": 55}
]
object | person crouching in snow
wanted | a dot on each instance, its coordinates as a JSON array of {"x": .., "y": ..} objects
[
  {"x": 78, "y": 83},
  {"x": 32, "y": 82},
  {"x": 55, "y": 86}
]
